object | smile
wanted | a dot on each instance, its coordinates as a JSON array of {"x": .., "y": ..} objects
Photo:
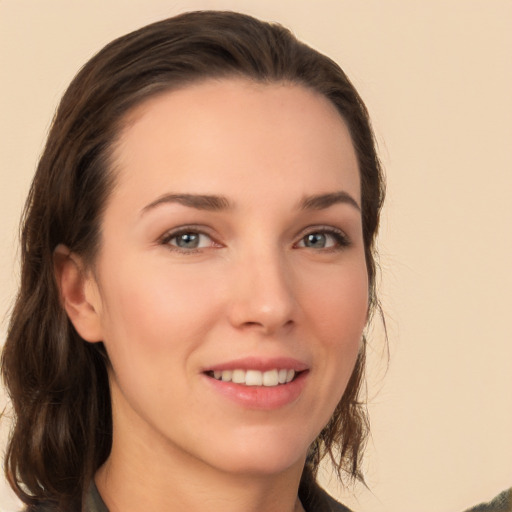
[{"x": 269, "y": 378}]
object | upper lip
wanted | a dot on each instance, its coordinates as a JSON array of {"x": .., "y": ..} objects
[{"x": 259, "y": 363}]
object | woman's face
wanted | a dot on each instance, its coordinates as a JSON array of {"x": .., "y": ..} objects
[{"x": 232, "y": 261}]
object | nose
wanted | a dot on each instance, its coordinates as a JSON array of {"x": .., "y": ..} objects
[{"x": 262, "y": 295}]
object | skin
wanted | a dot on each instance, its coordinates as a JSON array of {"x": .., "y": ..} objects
[{"x": 254, "y": 287}]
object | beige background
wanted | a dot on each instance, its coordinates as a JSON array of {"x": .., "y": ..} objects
[{"x": 437, "y": 78}]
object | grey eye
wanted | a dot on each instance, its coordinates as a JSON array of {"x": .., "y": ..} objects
[
  {"x": 315, "y": 240},
  {"x": 187, "y": 240},
  {"x": 324, "y": 239}
]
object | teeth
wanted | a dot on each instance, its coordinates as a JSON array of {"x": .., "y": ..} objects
[
  {"x": 253, "y": 378},
  {"x": 238, "y": 377},
  {"x": 269, "y": 378}
]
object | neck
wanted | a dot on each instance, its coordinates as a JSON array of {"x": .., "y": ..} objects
[{"x": 132, "y": 484}]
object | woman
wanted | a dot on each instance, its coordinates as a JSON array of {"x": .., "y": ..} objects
[{"x": 197, "y": 272}]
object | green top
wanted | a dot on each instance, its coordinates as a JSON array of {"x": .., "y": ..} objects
[
  {"x": 502, "y": 503},
  {"x": 312, "y": 497},
  {"x": 93, "y": 501},
  {"x": 315, "y": 499}
]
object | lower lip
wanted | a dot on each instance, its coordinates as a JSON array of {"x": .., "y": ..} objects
[{"x": 261, "y": 397}]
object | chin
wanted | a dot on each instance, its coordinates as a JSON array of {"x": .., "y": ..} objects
[
  {"x": 262, "y": 466},
  {"x": 257, "y": 455}
]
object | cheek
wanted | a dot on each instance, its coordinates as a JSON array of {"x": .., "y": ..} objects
[
  {"x": 153, "y": 308},
  {"x": 338, "y": 314},
  {"x": 339, "y": 302},
  {"x": 154, "y": 320}
]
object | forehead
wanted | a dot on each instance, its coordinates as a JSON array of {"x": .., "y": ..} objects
[{"x": 234, "y": 132}]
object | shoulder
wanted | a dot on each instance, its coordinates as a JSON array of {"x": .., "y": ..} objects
[
  {"x": 49, "y": 507},
  {"x": 332, "y": 504},
  {"x": 502, "y": 503},
  {"x": 315, "y": 499},
  {"x": 92, "y": 503},
  {"x": 40, "y": 507}
]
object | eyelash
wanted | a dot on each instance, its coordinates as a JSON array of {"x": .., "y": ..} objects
[
  {"x": 185, "y": 230},
  {"x": 341, "y": 241}
]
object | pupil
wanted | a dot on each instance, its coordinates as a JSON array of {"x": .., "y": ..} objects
[
  {"x": 315, "y": 240},
  {"x": 188, "y": 240}
]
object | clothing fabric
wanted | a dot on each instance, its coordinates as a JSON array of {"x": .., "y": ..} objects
[
  {"x": 315, "y": 499},
  {"x": 311, "y": 495},
  {"x": 93, "y": 501},
  {"x": 502, "y": 503}
]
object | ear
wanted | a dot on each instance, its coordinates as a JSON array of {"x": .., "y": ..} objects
[{"x": 79, "y": 294}]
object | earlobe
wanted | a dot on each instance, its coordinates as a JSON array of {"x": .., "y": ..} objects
[{"x": 78, "y": 294}]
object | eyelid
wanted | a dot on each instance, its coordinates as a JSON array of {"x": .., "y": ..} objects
[
  {"x": 339, "y": 235},
  {"x": 189, "y": 228}
]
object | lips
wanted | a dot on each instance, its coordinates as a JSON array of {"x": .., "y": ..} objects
[{"x": 259, "y": 383}]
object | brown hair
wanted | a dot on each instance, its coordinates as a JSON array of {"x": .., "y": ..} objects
[{"x": 57, "y": 382}]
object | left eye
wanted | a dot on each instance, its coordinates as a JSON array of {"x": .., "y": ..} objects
[
  {"x": 322, "y": 240},
  {"x": 189, "y": 240}
]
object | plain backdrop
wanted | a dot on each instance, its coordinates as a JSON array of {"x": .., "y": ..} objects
[{"x": 437, "y": 78}]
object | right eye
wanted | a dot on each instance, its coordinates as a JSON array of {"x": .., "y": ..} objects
[{"x": 188, "y": 240}]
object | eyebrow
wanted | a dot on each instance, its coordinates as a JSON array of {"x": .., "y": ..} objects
[
  {"x": 323, "y": 201},
  {"x": 198, "y": 201},
  {"x": 219, "y": 203}
]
